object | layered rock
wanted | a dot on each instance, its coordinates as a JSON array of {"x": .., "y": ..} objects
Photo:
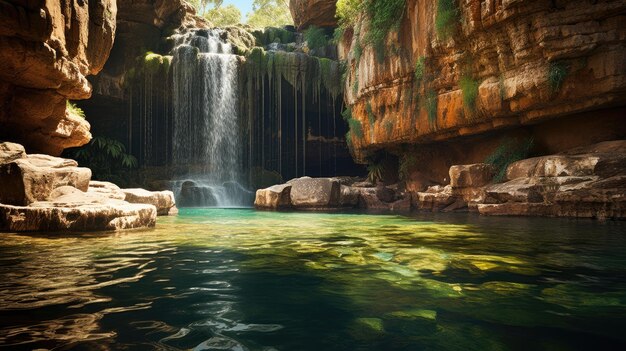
[
  {"x": 498, "y": 65},
  {"x": 586, "y": 182},
  {"x": 46, "y": 193},
  {"x": 48, "y": 48},
  {"x": 320, "y": 13},
  {"x": 308, "y": 193}
]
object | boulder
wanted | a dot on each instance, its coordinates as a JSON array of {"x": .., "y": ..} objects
[
  {"x": 274, "y": 197},
  {"x": 435, "y": 198},
  {"x": 106, "y": 189},
  {"x": 471, "y": 176},
  {"x": 33, "y": 178},
  {"x": 315, "y": 193},
  {"x": 10, "y": 152},
  {"x": 162, "y": 200}
]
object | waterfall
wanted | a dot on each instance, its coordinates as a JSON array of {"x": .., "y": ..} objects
[{"x": 205, "y": 121}]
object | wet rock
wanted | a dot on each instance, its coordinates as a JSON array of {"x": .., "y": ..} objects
[
  {"x": 77, "y": 216},
  {"x": 162, "y": 200},
  {"x": 369, "y": 199},
  {"x": 274, "y": 197},
  {"x": 34, "y": 177},
  {"x": 312, "y": 193},
  {"x": 349, "y": 196},
  {"x": 194, "y": 195}
]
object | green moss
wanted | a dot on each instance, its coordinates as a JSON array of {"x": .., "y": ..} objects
[
  {"x": 431, "y": 106},
  {"x": 556, "y": 75},
  {"x": 358, "y": 51},
  {"x": 273, "y": 35},
  {"x": 355, "y": 127},
  {"x": 419, "y": 70},
  {"x": 355, "y": 87},
  {"x": 507, "y": 152},
  {"x": 385, "y": 17},
  {"x": 346, "y": 114},
  {"x": 315, "y": 37},
  {"x": 388, "y": 125},
  {"x": 152, "y": 62},
  {"x": 74, "y": 110},
  {"x": 469, "y": 88},
  {"x": 447, "y": 18},
  {"x": 371, "y": 117}
]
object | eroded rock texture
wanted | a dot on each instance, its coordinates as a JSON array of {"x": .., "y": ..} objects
[
  {"x": 526, "y": 62},
  {"x": 320, "y": 13},
  {"x": 47, "y": 49}
]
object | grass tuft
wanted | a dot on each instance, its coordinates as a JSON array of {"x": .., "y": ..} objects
[
  {"x": 469, "y": 88},
  {"x": 74, "y": 110},
  {"x": 448, "y": 16}
]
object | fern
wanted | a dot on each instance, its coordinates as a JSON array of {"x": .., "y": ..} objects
[{"x": 74, "y": 110}]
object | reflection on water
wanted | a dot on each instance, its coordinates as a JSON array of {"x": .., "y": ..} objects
[{"x": 247, "y": 280}]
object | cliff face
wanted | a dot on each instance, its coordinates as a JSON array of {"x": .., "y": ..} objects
[
  {"x": 493, "y": 66},
  {"x": 319, "y": 13},
  {"x": 47, "y": 49}
]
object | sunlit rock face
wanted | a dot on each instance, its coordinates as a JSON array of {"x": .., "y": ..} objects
[
  {"x": 526, "y": 63},
  {"x": 47, "y": 49},
  {"x": 320, "y": 13}
]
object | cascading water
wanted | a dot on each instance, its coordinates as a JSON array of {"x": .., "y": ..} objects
[{"x": 205, "y": 120}]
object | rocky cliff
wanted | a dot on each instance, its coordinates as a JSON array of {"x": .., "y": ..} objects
[
  {"x": 457, "y": 76},
  {"x": 319, "y": 13},
  {"x": 47, "y": 49}
]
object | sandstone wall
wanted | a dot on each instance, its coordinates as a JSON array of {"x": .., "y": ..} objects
[
  {"x": 47, "y": 49},
  {"x": 319, "y": 13},
  {"x": 509, "y": 49}
]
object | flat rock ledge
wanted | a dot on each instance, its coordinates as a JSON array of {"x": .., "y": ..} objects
[
  {"x": 586, "y": 182},
  {"x": 324, "y": 194},
  {"x": 44, "y": 193}
]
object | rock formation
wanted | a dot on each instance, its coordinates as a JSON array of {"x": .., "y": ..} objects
[
  {"x": 554, "y": 71},
  {"x": 47, "y": 193},
  {"x": 320, "y": 13},
  {"x": 47, "y": 49}
]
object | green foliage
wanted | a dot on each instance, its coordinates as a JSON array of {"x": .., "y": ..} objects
[
  {"x": 385, "y": 16},
  {"x": 343, "y": 69},
  {"x": 448, "y": 16},
  {"x": 224, "y": 16},
  {"x": 315, "y": 37},
  {"x": 407, "y": 163},
  {"x": 431, "y": 106},
  {"x": 556, "y": 75},
  {"x": 506, "y": 153},
  {"x": 106, "y": 157},
  {"x": 469, "y": 88},
  {"x": 358, "y": 51},
  {"x": 347, "y": 12},
  {"x": 74, "y": 110},
  {"x": 388, "y": 125},
  {"x": 269, "y": 13},
  {"x": 347, "y": 114},
  {"x": 420, "y": 66},
  {"x": 355, "y": 127},
  {"x": 375, "y": 172},
  {"x": 355, "y": 87},
  {"x": 338, "y": 35},
  {"x": 371, "y": 117},
  {"x": 270, "y": 35}
]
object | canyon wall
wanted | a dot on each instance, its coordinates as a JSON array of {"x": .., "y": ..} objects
[
  {"x": 452, "y": 85},
  {"x": 47, "y": 50},
  {"x": 320, "y": 13}
]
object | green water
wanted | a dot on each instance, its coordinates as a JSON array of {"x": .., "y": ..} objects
[{"x": 214, "y": 279}]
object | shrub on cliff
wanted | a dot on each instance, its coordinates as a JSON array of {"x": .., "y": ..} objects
[{"x": 447, "y": 17}]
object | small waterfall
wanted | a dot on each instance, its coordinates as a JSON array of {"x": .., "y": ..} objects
[{"x": 205, "y": 120}]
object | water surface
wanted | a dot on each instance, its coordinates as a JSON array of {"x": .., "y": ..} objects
[{"x": 214, "y": 279}]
